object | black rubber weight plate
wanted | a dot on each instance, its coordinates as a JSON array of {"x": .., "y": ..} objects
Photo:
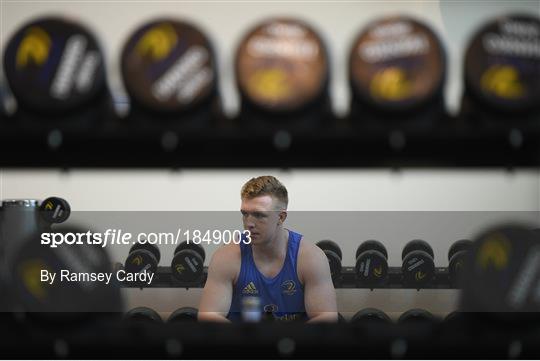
[
  {"x": 371, "y": 244},
  {"x": 331, "y": 246},
  {"x": 419, "y": 245},
  {"x": 54, "y": 65},
  {"x": 502, "y": 63},
  {"x": 461, "y": 245},
  {"x": 397, "y": 63},
  {"x": 192, "y": 246},
  {"x": 168, "y": 66}
]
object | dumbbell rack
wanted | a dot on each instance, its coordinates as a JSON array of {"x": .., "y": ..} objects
[
  {"x": 164, "y": 279},
  {"x": 333, "y": 142},
  {"x": 348, "y": 279}
]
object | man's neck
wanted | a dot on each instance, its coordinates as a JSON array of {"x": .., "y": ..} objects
[{"x": 276, "y": 249}]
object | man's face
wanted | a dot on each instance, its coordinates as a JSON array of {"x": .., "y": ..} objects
[{"x": 262, "y": 218}]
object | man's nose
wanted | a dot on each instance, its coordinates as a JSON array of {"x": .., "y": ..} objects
[{"x": 249, "y": 222}]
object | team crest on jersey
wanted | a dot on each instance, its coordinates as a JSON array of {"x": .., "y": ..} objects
[
  {"x": 288, "y": 287},
  {"x": 250, "y": 289},
  {"x": 270, "y": 308}
]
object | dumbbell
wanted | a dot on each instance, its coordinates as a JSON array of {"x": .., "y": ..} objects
[
  {"x": 143, "y": 257},
  {"x": 457, "y": 256},
  {"x": 418, "y": 267},
  {"x": 22, "y": 218},
  {"x": 143, "y": 314},
  {"x": 415, "y": 316},
  {"x": 55, "y": 210},
  {"x": 502, "y": 276},
  {"x": 371, "y": 263},
  {"x": 184, "y": 314},
  {"x": 455, "y": 316},
  {"x": 334, "y": 255},
  {"x": 62, "y": 301},
  {"x": 370, "y": 316},
  {"x": 188, "y": 262}
]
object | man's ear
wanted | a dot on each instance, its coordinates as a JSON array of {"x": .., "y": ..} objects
[{"x": 282, "y": 216}]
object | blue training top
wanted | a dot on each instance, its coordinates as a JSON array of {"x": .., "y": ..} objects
[{"x": 283, "y": 295}]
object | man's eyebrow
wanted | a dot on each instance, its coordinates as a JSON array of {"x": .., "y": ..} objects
[{"x": 243, "y": 211}]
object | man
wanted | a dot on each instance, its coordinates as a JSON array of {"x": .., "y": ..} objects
[{"x": 289, "y": 275}]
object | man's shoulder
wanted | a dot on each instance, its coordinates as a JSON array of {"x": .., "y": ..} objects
[
  {"x": 226, "y": 262},
  {"x": 308, "y": 249},
  {"x": 312, "y": 264},
  {"x": 228, "y": 252},
  {"x": 310, "y": 259}
]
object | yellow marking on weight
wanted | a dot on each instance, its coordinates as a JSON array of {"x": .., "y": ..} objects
[
  {"x": 494, "y": 252},
  {"x": 377, "y": 271},
  {"x": 180, "y": 268},
  {"x": 157, "y": 42},
  {"x": 270, "y": 84},
  {"x": 137, "y": 261},
  {"x": 503, "y": 81},
  {"x": 419, "y": 276},
  {"x": 49, "y": 205},
  {"x": 35, "y": 47},
  {"x": 30, "y": 272},
  {"x": 390, "y": 84}
]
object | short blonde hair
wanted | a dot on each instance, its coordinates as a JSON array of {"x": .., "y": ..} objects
[{"x": 265, "y": 185}]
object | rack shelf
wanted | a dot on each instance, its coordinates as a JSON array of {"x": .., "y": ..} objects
[{"x": 226, "y": 143}]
